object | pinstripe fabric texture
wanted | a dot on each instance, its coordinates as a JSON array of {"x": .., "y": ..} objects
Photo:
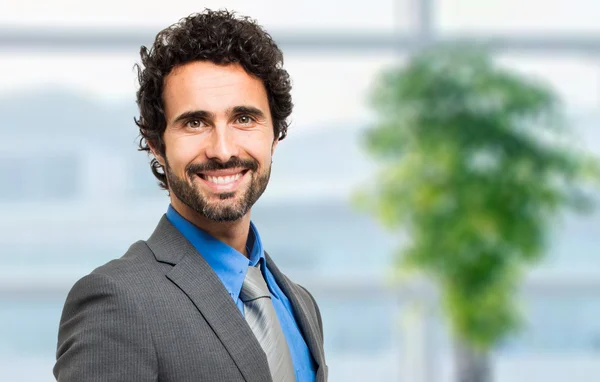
[
  {"x": 160, "y": 313},
  {"x": 262, "y": 319}
]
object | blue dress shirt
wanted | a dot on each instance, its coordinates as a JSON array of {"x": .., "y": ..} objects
[{"x": 231, "y": 267}]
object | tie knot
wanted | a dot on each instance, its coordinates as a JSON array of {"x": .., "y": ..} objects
[{"x": 254, "y": 285}]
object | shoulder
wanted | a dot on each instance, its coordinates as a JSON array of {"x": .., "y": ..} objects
[
  {"x": 117, "y": 288},
  {"x": 114, "y": 284},
  {"x": 132, "y": 272},
  {"x": 307, "y": 296},
  {"x": 313, "y": 307},
  {"x": 137, "y": 262},
  {"x": 102, "y": 320}
]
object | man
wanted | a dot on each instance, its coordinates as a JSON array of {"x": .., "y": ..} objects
[{"x": 200, "y": 300}]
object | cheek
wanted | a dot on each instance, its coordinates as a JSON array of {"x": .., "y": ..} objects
[
  {"x": 263, "y": 156},
  {"x": 259, "y": 147},
  {"x": 181, "y": 151}
]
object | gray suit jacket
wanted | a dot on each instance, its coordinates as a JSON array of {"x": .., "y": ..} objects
[{"x": 160, "y": 313}]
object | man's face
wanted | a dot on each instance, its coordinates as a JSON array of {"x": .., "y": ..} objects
[{"x": 219, "y": 139}]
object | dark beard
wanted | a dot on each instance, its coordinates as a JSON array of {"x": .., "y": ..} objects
[{"x": 189, "y": 195}]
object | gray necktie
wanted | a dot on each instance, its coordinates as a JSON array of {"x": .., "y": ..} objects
[{"x": 260, "y": 315}]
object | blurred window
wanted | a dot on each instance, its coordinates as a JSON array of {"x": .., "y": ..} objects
[{"x": 40, "y": 177}]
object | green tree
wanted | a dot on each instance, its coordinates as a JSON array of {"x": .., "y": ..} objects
[{"x": 475, "y": 166}]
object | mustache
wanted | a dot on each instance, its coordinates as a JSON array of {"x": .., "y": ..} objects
[{"x": 212, "y": 164}]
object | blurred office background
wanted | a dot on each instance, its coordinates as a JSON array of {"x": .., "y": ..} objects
[{"x": 76, "y": 193}]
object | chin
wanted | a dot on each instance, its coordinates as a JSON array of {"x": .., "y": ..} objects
[
  {"x": 224, "y": 215},
  {"x": 228, "y": 207}
]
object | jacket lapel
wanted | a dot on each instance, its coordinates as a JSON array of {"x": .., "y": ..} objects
[
  {"x": 307, "y": 322},
  {"x": 194, "y": 276}
]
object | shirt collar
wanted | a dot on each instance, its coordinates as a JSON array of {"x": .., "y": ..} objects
[{"x": 229, "y": 264}]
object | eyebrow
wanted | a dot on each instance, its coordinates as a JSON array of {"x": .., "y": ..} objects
[
  {"x": 196, "y": 114},
  {"x": 203, "y": 114},
  {"x": 247, "y": 110}
]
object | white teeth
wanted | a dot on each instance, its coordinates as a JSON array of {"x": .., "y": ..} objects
[{"x": 223, "y": 179}]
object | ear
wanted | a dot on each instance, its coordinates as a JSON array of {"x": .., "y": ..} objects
[
  {"x": 156, "y": 154},
  {"x": 274, "y": 145}
]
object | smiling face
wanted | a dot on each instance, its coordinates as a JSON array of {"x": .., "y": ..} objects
[{"x": 219, "y": 139}]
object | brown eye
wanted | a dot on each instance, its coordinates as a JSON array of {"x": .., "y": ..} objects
[
  {"x": 245, "y": 119},
  {"x": 194, "y": 123}
]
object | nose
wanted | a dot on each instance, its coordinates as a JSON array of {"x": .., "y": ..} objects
[{"x": 222, "y": 145}]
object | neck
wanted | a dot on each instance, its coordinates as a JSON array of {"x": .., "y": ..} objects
[{"x": 234, "y": 234}]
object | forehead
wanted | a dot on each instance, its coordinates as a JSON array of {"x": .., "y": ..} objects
[{"x": 206, "y": 86}]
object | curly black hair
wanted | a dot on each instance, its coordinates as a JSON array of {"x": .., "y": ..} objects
[{"x": 220, "y": 37}]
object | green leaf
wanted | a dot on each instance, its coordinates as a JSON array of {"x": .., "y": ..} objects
[{"x": 475, "y": 168}]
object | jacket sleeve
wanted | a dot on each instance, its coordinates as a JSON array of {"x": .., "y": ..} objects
[{"x": 103, "y": 335}]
